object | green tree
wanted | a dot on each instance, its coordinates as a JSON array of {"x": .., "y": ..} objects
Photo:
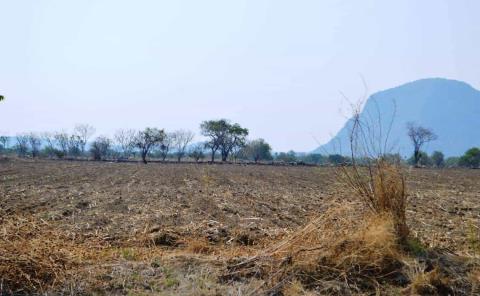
[
  {"x": 471, "y": 158},
  {"x": 421, "y": 159},
  {"x": 147, "y": 139},
  {"x": 337, "y": 159},
  {"x": 452, "y": 162},
  {"x": 314, "y": 158},
  {"x": 438, "y": 159},
  {"x": 290, "y": 156},
  {"x": 258, "y": 150},
  {"x": 1, "y": 98},
  {"x": 223, "y": 136}
]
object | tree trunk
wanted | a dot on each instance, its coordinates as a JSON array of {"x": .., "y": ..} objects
[
  {"x": 144, "y": 157},
  {"x": 213, "y": 155},
  {"x": 416, "y": 156},
  {"x": 224, "y": 155}
]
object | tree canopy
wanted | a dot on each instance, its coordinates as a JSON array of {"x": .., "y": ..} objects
[
  {"x": 148, "y": 139},
  {"x": 223, "y": 136},
  {"x": 258, "y": 150},
  {"x": 419, "y": 135},
  {"x": 471, "y": 158}
]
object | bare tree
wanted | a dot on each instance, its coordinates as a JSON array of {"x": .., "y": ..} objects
[
  {"x": 166, "y": 145},
  {"x": 419, "y": 136},
  {"x": 4, "y": 142},
  {"x": 35, "y": 143},
  {"x": 75, "y": 145},
  {"x": 196, "y": 152},
  {"x": 181, "y": 139},
  {"x": 22, "y": 145},
  {"x": 84, "y": 132},
  {"x": 49, "y": 140},
  {"x": 147, "y": 139},
  {"x": 100, "y": 148},
  {"x": 125, "y": 140},
  {"x": 61, "y": 141}
]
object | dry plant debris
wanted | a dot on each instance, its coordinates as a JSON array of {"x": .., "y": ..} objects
[{"x": 117, "y": 228}]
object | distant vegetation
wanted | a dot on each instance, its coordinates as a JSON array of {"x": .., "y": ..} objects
[{"x": 226, "y": 141}]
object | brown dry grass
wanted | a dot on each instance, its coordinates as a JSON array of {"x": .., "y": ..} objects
[
  {"x": 348, "y": 250},
  {"x": 100, "y": 228},
  {"x": 35, "y": 257},
  {"x": 337, "y": 252},
  {"x": 381, "y": 186}
]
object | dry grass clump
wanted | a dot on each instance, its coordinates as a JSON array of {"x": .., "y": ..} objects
[
  {"x": 347, "y": 249},
  {"x": 337, "y": 252},
  {"x": 380, "y": 185},
  {"x": 33, "y": 257}
]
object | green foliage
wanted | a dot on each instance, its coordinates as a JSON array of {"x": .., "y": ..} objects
[
  {"x": 438, "y": 159},
  {"x": 170, "y": 279},
  {"x": 258, "y": 150},
  {"x": 286, "y": 157},
  {"x": 392, "y": 158},
  {"x": 315, "y": 158},
  {"x": 471, "y": 158},
  {"x": 452, "y": 162},
  {"x": 415, "y": 247},
  {"x": 337, "y": 159},
  {"x": 423, "y": 159},
  {"x": 129, "y": 254},
  {"x": 223, "y": 136},
  {"x": 147, "y": 139},
  {"x": 2, "y": 98}
]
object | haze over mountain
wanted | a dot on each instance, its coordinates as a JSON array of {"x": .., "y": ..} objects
[{"x": 450, "y": 108}]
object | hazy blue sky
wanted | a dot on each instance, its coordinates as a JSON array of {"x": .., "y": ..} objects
[{"x": 276, "y": 67}]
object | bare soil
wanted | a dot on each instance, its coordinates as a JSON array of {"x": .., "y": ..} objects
[{"x": 173, "y": 228}]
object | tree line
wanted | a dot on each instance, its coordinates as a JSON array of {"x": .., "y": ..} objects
[{"x": 226, "y": 141}]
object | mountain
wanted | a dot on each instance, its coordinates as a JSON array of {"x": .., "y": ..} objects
[{"x": 448, "y": 107}]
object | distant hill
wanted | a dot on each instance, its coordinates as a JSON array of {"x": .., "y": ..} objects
[{"x": 450, "y": 108}]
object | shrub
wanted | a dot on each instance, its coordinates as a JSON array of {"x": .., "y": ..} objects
[
  {"x": 452, "y": 162},
  {"x": 286, "y": 157},
  {"x": 381, "y": 187},
  {"x": 100, "y": 147},
  {"x": 423, "y": 160},
  {"x": 438, "y": 159},
  {"x": 337, "y": 159},
  {"x": 471, "y": 158}
]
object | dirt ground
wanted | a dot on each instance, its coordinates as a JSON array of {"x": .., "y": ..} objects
[{"x": 171, "y": 228}]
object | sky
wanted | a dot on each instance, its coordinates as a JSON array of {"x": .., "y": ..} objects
[{"x": 280, "y": 68}]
